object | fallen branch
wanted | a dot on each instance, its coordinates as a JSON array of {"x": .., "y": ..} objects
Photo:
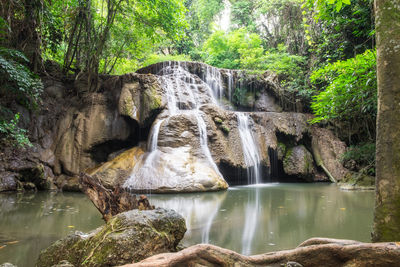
[
  {"x": 313, "y": 252},
  {"x": 108, "y": 202}
]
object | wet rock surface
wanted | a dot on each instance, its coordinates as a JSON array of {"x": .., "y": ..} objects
[{"x": 128, "y": 237}]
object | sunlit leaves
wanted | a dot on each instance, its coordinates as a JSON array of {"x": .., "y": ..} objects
[{"x": 350, "y": 89}]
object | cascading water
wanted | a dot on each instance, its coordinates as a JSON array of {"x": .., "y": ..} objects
[
  {"x": 250, "y": 150},
  {"x": 230, "y": 86},
  {"x": 212, "y": 76},
  {"x": 180, "y": 87},
  {"x": 184, "y": 94}
]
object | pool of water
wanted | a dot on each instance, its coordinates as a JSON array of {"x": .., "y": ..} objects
[{"x": 247, "y": 219}]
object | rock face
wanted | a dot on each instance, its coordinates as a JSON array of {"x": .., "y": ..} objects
[
  {"x": 299, "y": 161},
  {"x": 128, "y": 237},
  {"x": 327, "y": 150},
  {"x": 168, "y": 128}
]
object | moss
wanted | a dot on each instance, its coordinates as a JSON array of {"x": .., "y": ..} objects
[
  {"x": 128, "y": 107},
  {"x": 225, "y": 129},
  {"x": 218, "y": 120},
  {"x": 288, "y": 154}
]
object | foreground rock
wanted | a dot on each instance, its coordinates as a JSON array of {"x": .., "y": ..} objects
[
  {"x": 313, "y": 252},
  {"x": 128, "y": 237}
]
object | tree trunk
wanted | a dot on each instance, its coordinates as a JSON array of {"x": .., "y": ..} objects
[
  {"x": 313, "y": 252},
  {"x": 387, "y": 202}
]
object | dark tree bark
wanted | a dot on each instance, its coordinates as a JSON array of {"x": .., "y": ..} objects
[
  {"x": 313, "y": 252},
  {"x": 387, "y": 201}
]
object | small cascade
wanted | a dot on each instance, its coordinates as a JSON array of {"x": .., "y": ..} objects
[
  {"x": 250, "y": 150},
  {"x": 212, "y": 76},
  {"x": 230, "y": 86},
  {"x": 203, "y": 141},
  {"x": 183, "y": 95},
  {"x": 152, "y": 144}
]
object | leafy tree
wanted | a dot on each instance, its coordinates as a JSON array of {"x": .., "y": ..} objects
[
  {"x": 348, "y": 92},
  {"x": 93, "y": 23},
  {"x": 338, "y": 30}
]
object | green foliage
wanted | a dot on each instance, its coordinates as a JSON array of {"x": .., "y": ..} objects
[
  {"x": 363, "y": 155},
  {"x": 17, "y": 80},
  {"x": 10, "y": 133},
  {"x": 155, "y": 58},
  {"x": 349, "y": 89},
  {"x": 338, "y": 30}
]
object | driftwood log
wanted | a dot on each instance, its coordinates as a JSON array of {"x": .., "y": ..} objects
[
  {"x": 109, "y": 202},
  {"x": 313, "y": 252}
]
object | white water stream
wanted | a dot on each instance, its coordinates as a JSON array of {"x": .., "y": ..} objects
[
  {"x": 251, "y": 155},
  {"x": 185, "y": 93}
]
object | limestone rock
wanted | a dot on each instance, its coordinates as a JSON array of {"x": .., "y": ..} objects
[
  {"x": 128, "y": 237},
  {"x": 298, "y": 161},
  {"x": 180, "y": 163},
  {"x": 141, "y": 97},
  {"x": 114, "y": 173},
  {"x": 327, "y": 150},
  {"x": 80, "y": 130},
  {"x": 177, "y": 169}
]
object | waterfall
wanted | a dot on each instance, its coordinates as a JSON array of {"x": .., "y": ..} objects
[
  {"x": 154, "y": 136},
  {"x": 181, "y": 88},
  {"x": 230, "y": 86},
  {"x": 250, "y": 150},
  {"x": 203, "y": 141},
  {"x": 212, "y": 76}
]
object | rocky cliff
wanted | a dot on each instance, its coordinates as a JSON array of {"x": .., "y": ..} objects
[{"x": 198, "y": 145}]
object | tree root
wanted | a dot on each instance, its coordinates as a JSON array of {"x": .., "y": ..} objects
[{"x": 313, "y": 252}]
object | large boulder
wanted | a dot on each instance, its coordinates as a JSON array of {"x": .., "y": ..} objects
[
  {"x": 299, "y": 162},
  {"x": 128, "y": 237},
  {"x": 180, "y": 163},
  {"x": 141, "y": 97},
  {"x": 115, "y": 172}
]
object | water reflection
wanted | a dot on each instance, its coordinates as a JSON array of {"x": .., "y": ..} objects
[
  {"x": 262, "y": 218},
  {"x": 31, "y": 222},
  {"x": 199, "y": 211},
  {"x": 248, "y": 219}
]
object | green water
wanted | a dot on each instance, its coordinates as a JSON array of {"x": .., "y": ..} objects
[{"x": 249, "y": 220}]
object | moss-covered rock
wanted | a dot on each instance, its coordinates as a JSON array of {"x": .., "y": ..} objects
[
  {"x": 298, "y": 161},
  {"x": 128, "y": 237},
  {"x": 358, "y": 181}
]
